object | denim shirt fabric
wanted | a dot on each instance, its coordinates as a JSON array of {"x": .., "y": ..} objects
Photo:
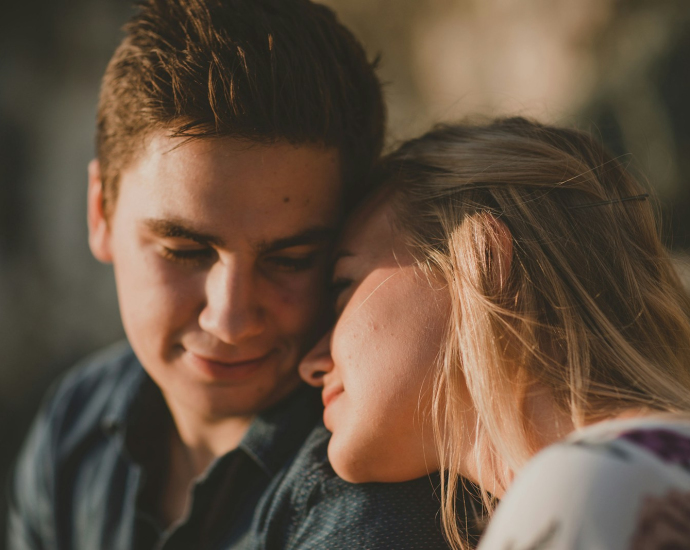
[{"x": 91, "y": 468}]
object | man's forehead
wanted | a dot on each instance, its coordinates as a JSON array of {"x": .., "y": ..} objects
[
  {"x": 227, "y": 163},
  {"x": 263, "y": 192},
  {"x": 162, "y": 150}
]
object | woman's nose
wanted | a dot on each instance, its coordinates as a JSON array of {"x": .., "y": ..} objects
[{"x": 318, "y": 362}]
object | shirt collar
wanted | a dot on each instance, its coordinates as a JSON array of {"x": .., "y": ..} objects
[
  {"x": 273, "y": 435},
  {"x": 278, "y": 432},
  {"x": 121, "y": 407}
]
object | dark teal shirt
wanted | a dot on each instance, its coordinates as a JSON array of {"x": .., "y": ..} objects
[{"x": 92, "y": 469}]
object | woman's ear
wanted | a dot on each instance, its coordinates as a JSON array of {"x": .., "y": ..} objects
[
  {"x": 99, "y": 229},
  {"x": 501, "y": 251}
]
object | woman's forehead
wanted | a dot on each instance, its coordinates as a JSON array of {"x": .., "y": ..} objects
[
  {"x": 373, "y": 238},
  {"x": 369, "y": 229}
]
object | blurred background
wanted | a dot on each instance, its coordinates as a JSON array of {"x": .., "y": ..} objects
[{"x": 620, "y": 68}]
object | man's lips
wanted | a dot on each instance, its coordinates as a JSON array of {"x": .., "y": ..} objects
[
  {"x": 328, "y": 395},
  {"x": 223, "y": 362},
  {"x": 212, "y": 367}
]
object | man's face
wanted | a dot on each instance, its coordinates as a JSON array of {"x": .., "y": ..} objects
[{"x": 220, "y": 250}]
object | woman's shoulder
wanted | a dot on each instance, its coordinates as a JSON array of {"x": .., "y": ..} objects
[
  {"x": 310, "y": 507},
  {"x": 608, "y": 486}
]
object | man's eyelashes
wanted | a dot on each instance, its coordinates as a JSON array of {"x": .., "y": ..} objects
[
  {"x": 201, "y": 256},
  {"x": 188, "y": 256}
]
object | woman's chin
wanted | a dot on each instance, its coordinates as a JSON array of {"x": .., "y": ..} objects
[
  {"x": 361, "y": 467},
  {"x": 349, "y": 466}
]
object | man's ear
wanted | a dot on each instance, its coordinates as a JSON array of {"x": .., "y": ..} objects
[{"x": 99, "y": 230}]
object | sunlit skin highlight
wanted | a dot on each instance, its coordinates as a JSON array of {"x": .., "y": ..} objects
[
  {"x": 221, "y": 282},
  {"x": 377, "y": 365}
]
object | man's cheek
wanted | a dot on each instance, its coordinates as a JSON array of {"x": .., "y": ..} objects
[{"x": 301, "y": 293}]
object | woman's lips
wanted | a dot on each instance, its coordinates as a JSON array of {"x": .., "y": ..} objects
[{"x": 330, "y": 394}]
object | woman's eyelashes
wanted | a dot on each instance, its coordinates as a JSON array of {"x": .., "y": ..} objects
[
  {"x": 339, "y": 288},
  {"x": 339, "y": 285}
]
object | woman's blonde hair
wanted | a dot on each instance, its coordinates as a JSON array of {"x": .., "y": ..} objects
[{"x": 580, "y": 297}]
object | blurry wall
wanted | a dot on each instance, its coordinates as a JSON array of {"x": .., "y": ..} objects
[
  {"x": 56, "y": 302},
  {"x": 620, "y": 68}
]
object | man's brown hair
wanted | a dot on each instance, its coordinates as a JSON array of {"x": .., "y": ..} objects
[{"x": 262, "y": 70}]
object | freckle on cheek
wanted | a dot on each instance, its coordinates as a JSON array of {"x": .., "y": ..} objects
[{"x": 286, "y": 199}]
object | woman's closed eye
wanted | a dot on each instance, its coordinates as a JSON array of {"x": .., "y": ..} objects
[{"x": 339, "y": 288}]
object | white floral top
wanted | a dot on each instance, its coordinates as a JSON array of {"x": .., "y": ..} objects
[{"x": 616, "y": 485}]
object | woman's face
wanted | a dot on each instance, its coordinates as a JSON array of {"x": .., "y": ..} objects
[{"x": 377, "y": 366}]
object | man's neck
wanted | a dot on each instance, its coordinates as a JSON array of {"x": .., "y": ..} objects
[
  {"x": 203, "y": 440},
  {"x": 194, "y": 444}
]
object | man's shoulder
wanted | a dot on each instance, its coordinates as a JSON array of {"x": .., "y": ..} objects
[
  {"x": 83, "y": 398},
  {"x": 311, "y": 507},
  {"x": 107, "y": 365},
  {"x": 68, "y": 426}
]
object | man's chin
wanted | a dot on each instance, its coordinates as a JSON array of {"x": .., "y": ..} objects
[{"x": 216, "y": 402}]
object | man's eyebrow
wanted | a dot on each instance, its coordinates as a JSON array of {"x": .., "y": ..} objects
[
  {"x": 172, "y": 229},
  {"x": 311, "y": 236}
]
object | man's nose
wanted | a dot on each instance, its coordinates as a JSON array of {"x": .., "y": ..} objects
[
  {"x": 232, "y": 312},
  {"x": 318, "y": 362}
]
